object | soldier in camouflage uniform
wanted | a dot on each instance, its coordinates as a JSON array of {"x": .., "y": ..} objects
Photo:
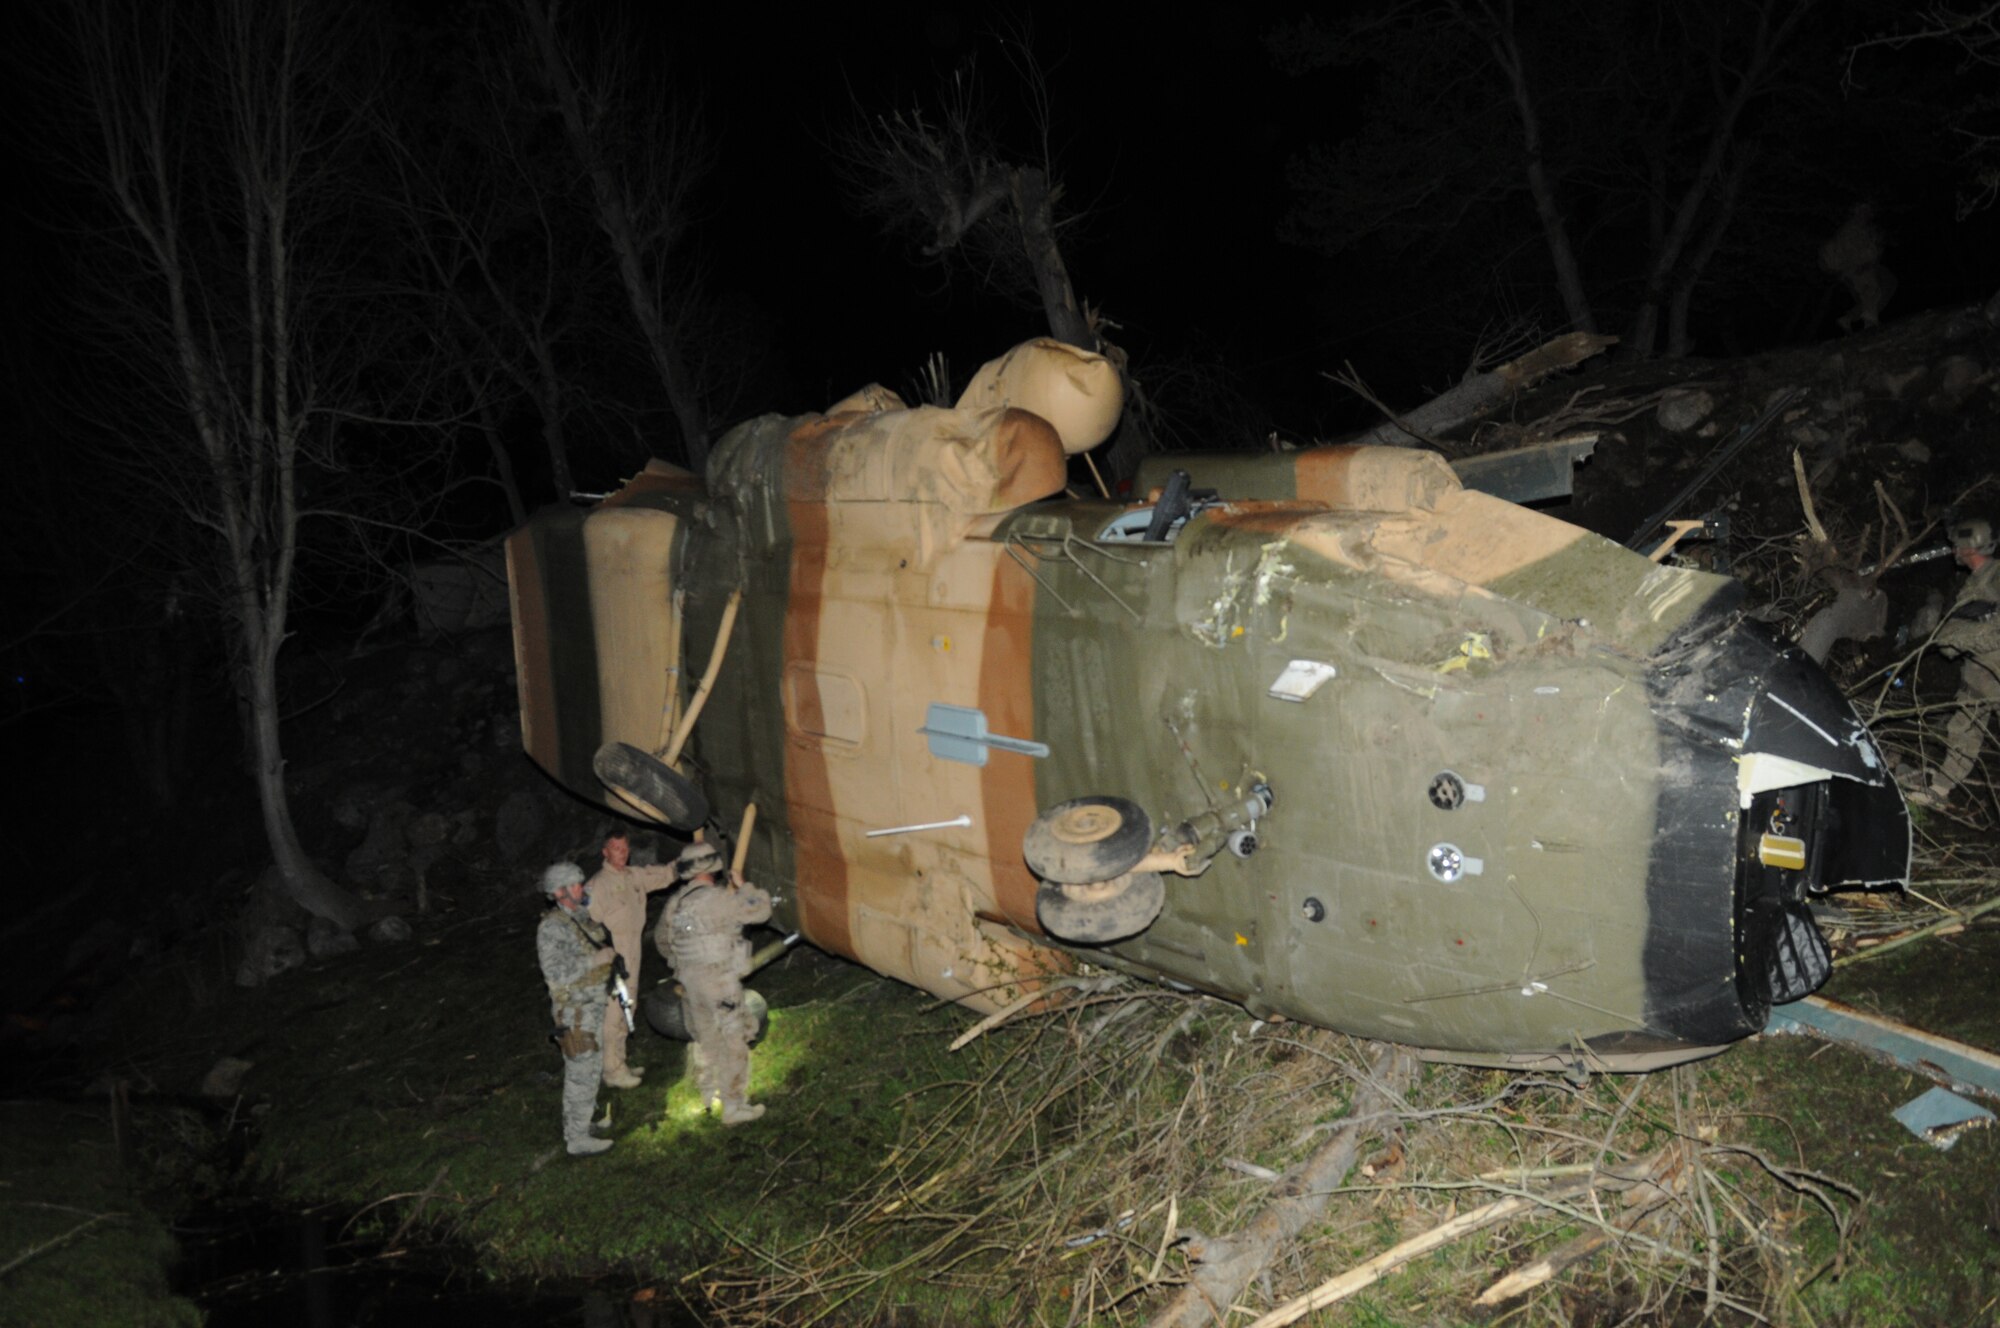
[
  {"x": 576, "y": 959},
  {"x": 701, "y": 934},
  {"x": 1970, "y": 634}
]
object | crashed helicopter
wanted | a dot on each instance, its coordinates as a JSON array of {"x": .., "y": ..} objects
[{"x": 1330, "y": 733}]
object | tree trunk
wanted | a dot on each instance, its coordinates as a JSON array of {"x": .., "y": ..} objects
[
  {"x": 1038, "y": 236},
  {"x": 1679, "y": 342},
  {"x": 1227, "y": 1265},
  {"x": 503, "y": 465},
  {"x": 1481, "y": 392},
  {"x": 614, "y": 215},
  {"x": 1667, "y": 258},
  {"x": 547, "y": 394},
  {"x": 306, "y": 885},
  {"x": 1555, "y": 229}
]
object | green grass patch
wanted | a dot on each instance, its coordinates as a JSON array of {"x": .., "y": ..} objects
[
  {"x": 1039, "y": 1175},
  {"x": 81, "y": 1249}
]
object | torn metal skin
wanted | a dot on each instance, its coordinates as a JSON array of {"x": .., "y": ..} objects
[{"x": 1527, "y": 798}]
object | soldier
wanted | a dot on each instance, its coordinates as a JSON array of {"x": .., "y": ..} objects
[
  {"x": 618, "y": 900},
  {"x": 701, "y": 934},
  {"x": 1970, "y": 634},
  {"x": 576, "y": 959}
]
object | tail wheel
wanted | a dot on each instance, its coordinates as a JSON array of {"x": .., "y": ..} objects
[
  {"x": 649, "y": 786},
  {"x": 1101, "y": 911},
  {"x": 1087, "y": 839}
]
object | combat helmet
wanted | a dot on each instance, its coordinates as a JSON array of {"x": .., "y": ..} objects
[
  {"x": 560, "y": 876},
  {"x": 1974, "y": 534}
]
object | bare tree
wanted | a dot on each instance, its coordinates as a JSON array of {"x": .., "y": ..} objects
[
  {"x": 213, "y": 137},
  {"x": 943, "y": 180},
  {"x": 1974, "y": 29},
  {"x": 504, "y": 258},
  {"x": 1737, "y": 73},
  {"x": 1638, "y": 117},
  {"x": 642, "y": 154}
]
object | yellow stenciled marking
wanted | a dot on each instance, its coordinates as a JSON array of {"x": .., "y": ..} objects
[
  {"x": 1476, "y": 646},
  {"x": 1783, "y": 852},
  {"x": 1241, "y": 939},
  {"x": 942, "y": 643}
]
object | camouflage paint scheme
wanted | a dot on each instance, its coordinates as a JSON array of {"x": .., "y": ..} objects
[{"x": 1597, "y": 707}]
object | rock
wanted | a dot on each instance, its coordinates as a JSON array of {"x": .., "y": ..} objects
[
  {"x": 325, "y": 939},
  {"x": 1682, "y": 410},
  {"x": 429, "y": 831},
  {"x": 270, "y": 927},
  {"x": 518, "y": 825},
  {"x": 1895, "y": 384},
  {"x": 225, "y": 1078},
  {"x": 379, "y": 861},
  {"x": 268, "y": 951},
  {"x": 391, "y": 929},
  {"x": 1961, "y": 374},
  {"x": 1913, "y": 449}
]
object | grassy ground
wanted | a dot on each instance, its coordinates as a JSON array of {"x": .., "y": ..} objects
[
  {"x": 79, "y": 1247},
  {"x": 1045, "y": 1173}
]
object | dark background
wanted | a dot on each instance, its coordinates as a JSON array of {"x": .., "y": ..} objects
[{"x": 1176, "y": 140}]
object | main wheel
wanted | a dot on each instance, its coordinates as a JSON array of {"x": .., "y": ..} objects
[
  {"x": 650, "y": 786},
  {"x": 1103, "y": 910},
  {"x": 1087, "y": 839},
  {"x": 668, "y": 1016}
]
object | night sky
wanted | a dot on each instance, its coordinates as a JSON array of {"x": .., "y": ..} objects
[
  {"x": 1169, "y": 136},
  {"x": 1175, "y": 141}
]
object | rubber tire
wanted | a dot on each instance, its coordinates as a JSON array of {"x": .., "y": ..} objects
[
  {"x": 649, "y": 786},
  {"x": 1087, "y": 839},
  {"x": 667, "y": 1017},
  {"x": 1103, "y": 911}
]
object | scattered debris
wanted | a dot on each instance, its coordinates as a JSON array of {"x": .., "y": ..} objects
[
  {"x": 225, "y": 1078},
  {"x": 1956, "y": 1065},
  {"x": 1940, "y": 1116}
]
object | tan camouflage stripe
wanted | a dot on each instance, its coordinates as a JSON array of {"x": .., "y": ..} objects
[
  {"x": 1008, "y": 780},
  {"x": 809, "y": 805},
  {"x": 873, "y": 636}
]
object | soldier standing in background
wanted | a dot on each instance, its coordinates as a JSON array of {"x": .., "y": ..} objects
[
  {"x": 618, "y": 900},
  {"x": 1970, "y": 634},
  {"x": 576, "y": 959},
  {"x": 701, "y": 933}
]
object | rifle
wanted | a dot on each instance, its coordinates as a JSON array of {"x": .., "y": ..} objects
[{"x": 620, "y": 991}]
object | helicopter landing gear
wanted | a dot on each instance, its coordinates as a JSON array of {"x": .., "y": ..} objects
[
  {"x": 1101, "y": 911},
  {"x": 650, "y": 786},
  {"x": 1087, "y": 840}
]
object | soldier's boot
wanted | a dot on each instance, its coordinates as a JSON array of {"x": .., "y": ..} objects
[
  {"x": 618, "y": 1073},
  {"x": 736, "y": 1108},
  {"x": 579, "y": 1103},
  {"x": 704, "y": 1078},
  {"x": 1964, "y": 735}
]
